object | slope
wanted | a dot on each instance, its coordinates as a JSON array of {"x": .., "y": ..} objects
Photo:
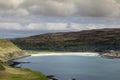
[{"x": 100, "y": 40}]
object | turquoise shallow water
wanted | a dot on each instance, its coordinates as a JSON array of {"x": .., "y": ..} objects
[{"x": 79, "y": 67}]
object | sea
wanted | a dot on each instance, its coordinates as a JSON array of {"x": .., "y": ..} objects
[{"x": 74, "y": 67}]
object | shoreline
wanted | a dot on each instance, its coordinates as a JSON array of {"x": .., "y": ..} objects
[
  {"x": 12, "y": 61},
  {"x": 19, "y": 57},
  {"x": 66, "y": 54}
]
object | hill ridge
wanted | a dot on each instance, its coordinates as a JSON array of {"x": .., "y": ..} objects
[{"x": 97, "y": 40}]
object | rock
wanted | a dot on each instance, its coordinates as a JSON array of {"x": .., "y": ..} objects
[
  {"x": 73, "y": 79},
  {"x": 1, "y": 67},
  {"x": 51, "y": 77}
]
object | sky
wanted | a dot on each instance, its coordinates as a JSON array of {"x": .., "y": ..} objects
[{"x": 21, "y": 18}]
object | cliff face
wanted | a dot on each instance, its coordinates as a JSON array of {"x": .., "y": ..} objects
[
  {"x": 100, "y": 40},
  {"x": 9, "y": 51}
]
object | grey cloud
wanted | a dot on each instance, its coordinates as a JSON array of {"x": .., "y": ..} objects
[
  {"x": 19, "y": 18},
  {"x": 98, "y": 8},
  {"x": 90, "y": 8},
  {"x": 94, "y": 8}
]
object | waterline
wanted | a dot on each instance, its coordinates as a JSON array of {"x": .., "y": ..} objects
[{"x": 66, "y": 54}]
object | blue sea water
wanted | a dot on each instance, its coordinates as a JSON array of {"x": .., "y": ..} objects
[{"x": 78, "y": 67}]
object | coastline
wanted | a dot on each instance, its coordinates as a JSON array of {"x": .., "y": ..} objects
[
  {"x": 13, "y": 62},
  {"x": 20, "y": 57},
  {"x": 66, "y": 54}
]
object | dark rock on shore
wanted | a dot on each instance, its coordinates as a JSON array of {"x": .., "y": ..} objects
[
  {"x": 51, "y": 77},
  {"x": 111, "y": 54},
  {"x": 2, "y": 67}
]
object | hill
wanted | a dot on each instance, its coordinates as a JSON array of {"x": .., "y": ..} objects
[
  {"x": 99, "y": 40},
  {"x": 9, "y": 51}
]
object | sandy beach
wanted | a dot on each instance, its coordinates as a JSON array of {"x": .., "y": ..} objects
[{"x": 65, "y": 53}]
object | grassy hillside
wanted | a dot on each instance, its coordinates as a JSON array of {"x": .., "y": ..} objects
[
  {"x": 100, "y": 40},
  {"x": 9, "y": 51},
  {"x": 20, "y": 74}
]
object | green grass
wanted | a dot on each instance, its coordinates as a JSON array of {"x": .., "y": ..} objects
[
  {"x": 20, "y": 74},
  {"x": 5, "y": 43},
  {"x": 31, "y": 75}
]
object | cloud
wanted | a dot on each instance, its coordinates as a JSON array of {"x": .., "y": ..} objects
[
  {"x": 17, "y": 29},
  {"x": 98, "y": 8},
  {"x": 7, "y": 4},
  {"x": 19, "y": 18},
  {"x": 53, "y": 26},
  {"x": 88, "y": 8}
]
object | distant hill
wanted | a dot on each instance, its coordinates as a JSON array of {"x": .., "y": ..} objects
[
  {"x": 9, "y": 51},
  {"x": 100, "y": 40}
]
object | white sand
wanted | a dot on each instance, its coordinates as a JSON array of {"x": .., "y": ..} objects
[{"x": 65, "y": 53}]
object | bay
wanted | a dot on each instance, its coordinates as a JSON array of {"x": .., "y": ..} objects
[{"x": 67, "y": 67}]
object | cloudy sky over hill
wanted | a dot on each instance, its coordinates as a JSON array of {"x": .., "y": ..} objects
[{"x": 19, "y": 18}]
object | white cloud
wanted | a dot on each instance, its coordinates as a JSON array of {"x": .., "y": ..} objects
[
  {"x": 10, "y": 4},
  {"x": 10, "y": 26},
  {"x": 56, "y": 26},
  {"x": 11, "y": 30},
  {"x": 53, "y": 26}
]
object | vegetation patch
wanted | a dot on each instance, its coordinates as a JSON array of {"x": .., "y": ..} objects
[
  {"x": 100, "y": 40},
  {"x": 21, "y": 74}
]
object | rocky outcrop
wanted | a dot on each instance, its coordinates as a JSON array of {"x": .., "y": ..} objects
[
  {"x": 2, "y": 67},
  {"x": 111, "y": 54},
  {"x": 9, "y": 51}
]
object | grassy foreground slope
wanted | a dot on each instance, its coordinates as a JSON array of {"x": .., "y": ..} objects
[
  {"x": 20, "y": 74},
  {"x": 9, "y": 51}
]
